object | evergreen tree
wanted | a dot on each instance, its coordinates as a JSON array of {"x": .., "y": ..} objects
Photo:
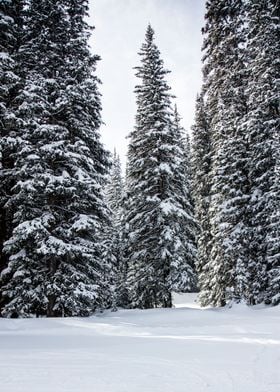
[
  {"x": 236, "y": 154},
  {"x": 225, "y": 106},
  {"x": 201, "y": 167},
  {"x": 123, "y": 298},
  {"x": 56, "y": 265},
  {"x": 114, "y": 195},
  {"x": 155, "y": 207},
  {"x": 182, "y": 275},
  {"x": 272, "y": 295},
  {"x": 11, "y": 25},
  {"x": 262, "y": 123},
  {"x": 115, "y": 190}
]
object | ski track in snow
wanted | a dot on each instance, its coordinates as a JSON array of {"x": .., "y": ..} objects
[{"x": 187, "y": 349}]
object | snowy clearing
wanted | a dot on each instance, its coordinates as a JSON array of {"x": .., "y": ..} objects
[{"x": 163, "y": 350}]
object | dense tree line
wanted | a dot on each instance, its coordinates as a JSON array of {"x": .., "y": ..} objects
[{"x": 236, "y": 154}]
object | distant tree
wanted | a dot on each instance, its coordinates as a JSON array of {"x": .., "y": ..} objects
[
  {"x": 155, "y": 213},
  {"x": 56, "y": 264},
  {"x": 123, "y": 295},
  {"x": 115, "y": 188},
  {"x": 115, "y": 196}
]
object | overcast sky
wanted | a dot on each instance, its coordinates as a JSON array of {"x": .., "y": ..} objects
[{"x": 119, "y": 32}]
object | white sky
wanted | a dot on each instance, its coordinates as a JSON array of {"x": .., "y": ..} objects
[{"x": 120, "y": 27}]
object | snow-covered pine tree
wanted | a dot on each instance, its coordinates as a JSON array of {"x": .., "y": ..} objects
[
  {"x": 272, "y": 295},
  {"x": 115, "y": 189},
  {"x": 262, "y": 123},
  {"x": 11, "y": 25},
  {"x": 123, "y": 299},
  {"x": 225, "y": 106},
  {"x": 155, "y": 203},
  {"x": 56, "y": 265},
  {"x": 114, "y": 196},
  {"x": 182, "y": 274},
  {"x": 201, "y": 181}
]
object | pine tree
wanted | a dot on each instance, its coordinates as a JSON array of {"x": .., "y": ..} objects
[
  {"x": 115, "y": 189},
  {"x": 262, "y": 123},
  {"x": 272, "y": 295},
  {"x": 236, "y": 135},
  {"x": 56, "y": 264},
  {"x": 201, "y": 181},
  {"x": 155, "y": 205},
  {"x": 123, "y": 297},
  {"x": 114, "y": 196},
  {"x": 182, "y": 274},
  {"x": 11, "y": 79},
  {"x": 225, "y": 106}
]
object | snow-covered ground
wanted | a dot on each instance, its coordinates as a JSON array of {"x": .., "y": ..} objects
[{"x": 186, "y": 349}]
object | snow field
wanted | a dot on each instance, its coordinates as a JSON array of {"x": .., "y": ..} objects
[{"x": 186, "y": 349}]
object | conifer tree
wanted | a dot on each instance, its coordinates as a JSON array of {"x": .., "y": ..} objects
[
  {"x": 201, "y": 167},
  {"x": 115, "y": 189},
  {"x": 241, "y": 52},
  {"x": 272, "y": 294},
  {"x": 55, "y": 253},
  {"x": 183, "y": 276},
  {"x": 262, "y": 123},
  {"x": 225, "y": 107},
  {"x": 123, "y": 297},
  {"x": 11, "y": 78},
  {"x": 114, "y": 196},
  {"x": 155, "y": 206}
]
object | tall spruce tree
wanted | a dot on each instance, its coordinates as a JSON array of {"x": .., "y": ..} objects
[
  {"x": 55, "y": 253},
  {"x": 225, "y": 106},
  {"x": 11, "y": 79},
  {"x": 155, "y": 206},
  {"x": 262, "y": 123}
]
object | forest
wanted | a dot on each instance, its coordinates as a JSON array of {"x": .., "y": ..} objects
[
  {"x": 195, "y": 212},
  {"x": 160, "y": 273}
]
